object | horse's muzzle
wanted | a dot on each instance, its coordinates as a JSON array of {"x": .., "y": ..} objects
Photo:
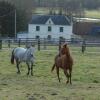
[{"x": 31, "y": 55}]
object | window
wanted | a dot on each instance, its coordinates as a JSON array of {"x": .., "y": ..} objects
[
  {"x": 37, "y": 37},
  {"x": 49, "y": 37},
  {"x": 61, "y": 29},
  {"x": 37, "y": 28},
  {"x": 49, "y": 29}
]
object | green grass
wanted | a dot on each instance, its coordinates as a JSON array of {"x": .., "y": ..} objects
[
  {"x": 92, "y": 13},
  {"x": 88, "y": 13},
  {"x": 44, "y": 85}
]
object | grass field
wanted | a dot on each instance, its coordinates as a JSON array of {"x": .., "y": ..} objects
[
  {"x": 44, "y": 85},
  {"x": 88, "y": 13},
  {"x": 92, "y": 13}
]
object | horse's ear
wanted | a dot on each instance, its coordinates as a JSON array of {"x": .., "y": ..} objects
[{"x": 65, "y": 45}]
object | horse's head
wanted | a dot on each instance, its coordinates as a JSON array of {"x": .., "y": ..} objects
[
  {"x": 65, "y": 49},
  {"x": 31, "y": 50}
]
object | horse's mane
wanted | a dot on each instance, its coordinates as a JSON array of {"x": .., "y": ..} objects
[
  {"x": 67, "y": 52},
  {"x": 64, "y": 50}
]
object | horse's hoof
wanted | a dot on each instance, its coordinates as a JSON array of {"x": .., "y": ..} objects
[
  {"x": 59, "y": 81},
  {"x": 27, "y": 74},
  {"x": 18, "y": 72},
  {"x": 67, "y": 82},
  {"x": 70, "y": 83},
  {"x": 31, "y": 74}
]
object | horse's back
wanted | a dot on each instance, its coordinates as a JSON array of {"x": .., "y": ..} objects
[
  {"x": 23, "y": 54},
  {"x": 19, "y": 51}
]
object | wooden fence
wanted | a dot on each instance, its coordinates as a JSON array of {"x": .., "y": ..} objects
[{"x": 43, "y": 43}]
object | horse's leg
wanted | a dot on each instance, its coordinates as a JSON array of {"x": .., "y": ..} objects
[
  {"x": 57, "y": 69},
  {"x": 67, "y": 75},
  {"x": 28, "y": 68},
  {"x": 17, "y": 65},
  {"x": 32, "y": 68},
  {"x": 70, "y": 75}
]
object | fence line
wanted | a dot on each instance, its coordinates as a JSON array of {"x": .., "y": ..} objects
[{"x": 43, "y": 43}]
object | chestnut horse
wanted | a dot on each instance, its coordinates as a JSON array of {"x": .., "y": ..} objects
[{"x": 64, "y": 60}]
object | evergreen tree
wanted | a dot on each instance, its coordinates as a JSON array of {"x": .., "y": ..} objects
[{"x": 7, "y": 19}]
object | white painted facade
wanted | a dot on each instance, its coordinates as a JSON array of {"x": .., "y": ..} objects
[
  {"x": 55, "y": 31},
  {"x": 25, "y": 35}
]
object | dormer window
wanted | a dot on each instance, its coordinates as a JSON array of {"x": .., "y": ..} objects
[{"x": 49, "y": 22}]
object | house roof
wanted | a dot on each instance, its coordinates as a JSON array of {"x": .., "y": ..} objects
[{"x": 57, "y": 19}]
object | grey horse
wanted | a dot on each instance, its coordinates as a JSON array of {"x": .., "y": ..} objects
[{"x": 20, "y": 54}]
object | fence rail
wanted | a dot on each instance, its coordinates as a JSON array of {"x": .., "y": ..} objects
[{"x": 43, "y": 43}]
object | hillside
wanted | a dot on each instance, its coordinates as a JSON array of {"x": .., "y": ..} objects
[
  {"x": 92, "y": 13},
  {"x": 32, "y": 5}
]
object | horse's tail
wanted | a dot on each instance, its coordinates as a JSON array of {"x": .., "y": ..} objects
[
  {"x": 53, "y": 67},
  {"x": 12, "y": 57}
]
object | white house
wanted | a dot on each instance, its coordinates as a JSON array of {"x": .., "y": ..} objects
[{"x": 52, "y": 26}]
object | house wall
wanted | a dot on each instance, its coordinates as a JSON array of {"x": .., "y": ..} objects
[
  {"x": 22, "y": 35},
  {"x": 55, "y": 33}
]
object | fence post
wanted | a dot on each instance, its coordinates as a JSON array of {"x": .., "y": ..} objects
[
  {"x": 83, "y": 46},
  {"x": 39, "y": 44},
  {"x": 0, "y": 44},
  {"x": 26, "y": 42},
  {"x": 19, "y": 42},
  {"x": 44, "y": 43},
  {"x": 59, "y": 43},
  {"x": 9, "y": 43}
]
